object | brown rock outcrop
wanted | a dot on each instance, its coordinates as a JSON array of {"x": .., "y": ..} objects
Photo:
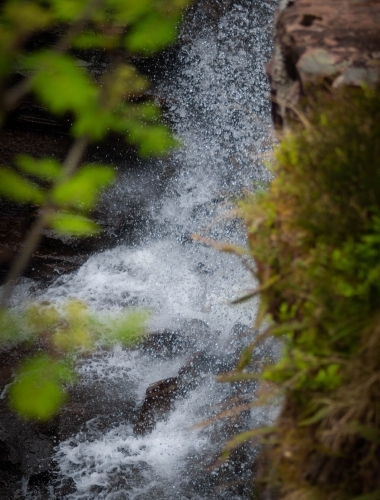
[{"x": 333, "y": 42}]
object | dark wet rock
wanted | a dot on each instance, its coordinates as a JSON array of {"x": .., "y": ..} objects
[
  {"x": 239, "y": 337},
  {"x": 322, "y": 43},
  {"x": 202, "y": 362},
  {"x": 158, "y": 402},
  {"x": 167, "y": 343},
  {"x": 196, "y": 329},
  {"x": 26, "y": 446},
  {"x": 160, "y": 396},
  {"x": 101, "y": 403},
  {"x": 191, "y": 373}
]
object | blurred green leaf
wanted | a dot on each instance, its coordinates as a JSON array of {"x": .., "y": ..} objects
[
  {"x": 96, "y": 40},
  {"x": 81, "y": 191},
  {"x": 152, "y": 34},
  {"x": 67, "y": 10},
  {"x": 9, "y": 327},
  {"x": 128, "y": 12},
  {"x": 41, "y": 317},
  {"x": 60, "y": 83},
  {"x": 78, "y": 330},
  {"x": 128, "y": 329},
  {"x": 25, "y": 16},
  {"x": 14, "y": 187},
  {"x": 6, "y": 59},
  {"x": 95, "y": 122},
  {"x": 46, "y": 168},
  {"x": 73, "y": 224},
  {"x": 124, "y": 82},
  {"x": 148, "y": 111},
  {"x": 37, "y": 392},
  {"x": 73, "y": 338},
  {"x": 151, "y": 139},
  {"x": 317, "y": 417}
]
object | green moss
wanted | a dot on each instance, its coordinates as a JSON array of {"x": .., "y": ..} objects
[{"x": 315, "y": 236}]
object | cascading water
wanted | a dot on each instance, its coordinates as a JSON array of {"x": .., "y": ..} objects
[{"x": 218, "y": 103}]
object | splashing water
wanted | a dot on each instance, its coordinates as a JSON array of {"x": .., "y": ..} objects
[{"x": 219, "y": 106}]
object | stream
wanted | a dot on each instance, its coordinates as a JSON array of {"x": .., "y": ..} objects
[{"x": 218, "y": 102}]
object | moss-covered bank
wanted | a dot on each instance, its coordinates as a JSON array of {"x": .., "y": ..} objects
[{"x": 315, "y": 238}]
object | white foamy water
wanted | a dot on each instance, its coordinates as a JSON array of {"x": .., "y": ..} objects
[{"x": 218, "y": 102}]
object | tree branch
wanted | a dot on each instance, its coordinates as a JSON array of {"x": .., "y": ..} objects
[{"x": 33, "y": 238}]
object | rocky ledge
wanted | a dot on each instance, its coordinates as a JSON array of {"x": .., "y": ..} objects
[{"x": 328, "y": 43}]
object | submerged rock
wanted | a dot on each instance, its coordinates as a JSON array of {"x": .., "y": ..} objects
[
  {"x": 167, "y": 343},
  {"x": 158, "y": 402}
]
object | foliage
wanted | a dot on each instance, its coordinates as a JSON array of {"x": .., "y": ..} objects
[
  {"x": 315, "y": 239},
  {"x": 66, "y": 193},
  {"x": 38, "y": 392},
  {"x": 38, "y": 389},
  {"x": 63, "y": 86}
]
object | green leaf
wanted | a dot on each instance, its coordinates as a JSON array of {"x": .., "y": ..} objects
[
  {"x": 16, "y": 188},
  {"x": 96, "y": 40},
  {"x": 368, "y": 433},
  {"x": 26, "y": 17},
  {"x": 41, "y": 317},
  {"x": 60, "y": 83},
  {"x": 9, "y": 327},
  {"x": 246, "y": 356},
  {"x": 151, "y": 139},
  {"x": 152, "y": 34},
  {"x": 94, "y": 122},
  {"x": 128, "y": 12},
  {"x": 81, "y": 191},
  {"x": 46, "y": 168},
  {"x": 37, "y": 392},
  {"x": 147, "y": 111},
  {"x": 124, "y": 82},
  {"x": 130, "y": 328},
  {"x": 68, "y": 10},
  {"x": 73, "y": 225}
]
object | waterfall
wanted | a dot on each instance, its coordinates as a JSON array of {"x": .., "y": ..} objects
[{"x": 218, "y": 102}]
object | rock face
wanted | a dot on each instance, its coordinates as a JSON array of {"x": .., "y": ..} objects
[{"x": 329, "y": 41}]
